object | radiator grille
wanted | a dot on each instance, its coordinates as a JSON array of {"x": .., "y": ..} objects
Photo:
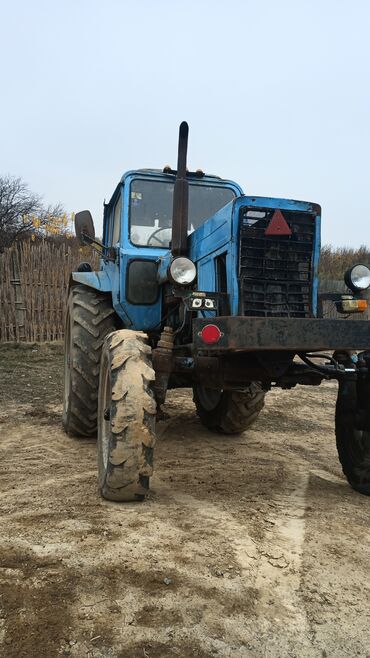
[{"x": 276, "y": 271}]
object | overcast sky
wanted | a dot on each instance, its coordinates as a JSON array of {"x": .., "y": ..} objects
[{"x": 276, "y": 93}]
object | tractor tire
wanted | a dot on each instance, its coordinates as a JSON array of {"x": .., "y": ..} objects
[
  {"x": 353, "y": 444},
  {"x": 90, "y": 317},
  {"x": 229, "y": 412},
  {"x": 126, "y": 417}
]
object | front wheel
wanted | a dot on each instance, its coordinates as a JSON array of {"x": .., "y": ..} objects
[
  {"x": 126, "y": 417},
  {"x": 229, "y": 412},
  {"x": 353, "y": 433}
]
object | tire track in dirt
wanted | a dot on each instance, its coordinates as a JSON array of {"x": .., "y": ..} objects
[
  {"x": 271, "y": 566},
  {"x": 280, "y": 572}
]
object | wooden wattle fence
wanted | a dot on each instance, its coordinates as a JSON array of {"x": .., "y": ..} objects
[{"x": 33, "y": 285}]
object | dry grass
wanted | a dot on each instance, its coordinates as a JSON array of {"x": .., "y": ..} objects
[{"x": 334, "y": 261}]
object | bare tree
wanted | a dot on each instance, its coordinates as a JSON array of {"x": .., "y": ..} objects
[{"x": 21, "y": 211}]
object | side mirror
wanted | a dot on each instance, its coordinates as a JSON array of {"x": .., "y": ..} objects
[{"x": 84, "y": 227}]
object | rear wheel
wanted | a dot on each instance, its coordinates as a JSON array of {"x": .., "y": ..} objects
[
  {"x": 126, "y": 417},
  {"x": 229, "y": 412},
  {"x": 90, "y": 317},
  {"x": 353, "y": 433}
]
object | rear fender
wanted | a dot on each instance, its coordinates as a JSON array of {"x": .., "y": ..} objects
[{"x": 97, "y": 280}]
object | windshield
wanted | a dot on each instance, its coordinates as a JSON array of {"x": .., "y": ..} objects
[{"x": 151, "y": 209}]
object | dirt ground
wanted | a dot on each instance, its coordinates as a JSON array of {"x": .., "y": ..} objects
[{"x": 251, "y": 546}]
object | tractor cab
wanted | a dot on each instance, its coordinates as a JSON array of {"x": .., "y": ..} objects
[
  {"x": 137, "y": 237},
  {"x": 140, "y": 212}
]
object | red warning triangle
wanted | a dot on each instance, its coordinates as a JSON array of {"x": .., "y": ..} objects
[{"x": 278, "y": 225}]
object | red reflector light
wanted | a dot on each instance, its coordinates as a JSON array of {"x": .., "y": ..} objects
[
  {"x": 210, "y": 334},
  {"x": 278, "y": 225}
]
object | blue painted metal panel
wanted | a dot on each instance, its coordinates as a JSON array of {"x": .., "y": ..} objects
[
  {"x": 283, "y": 204},
  {"x": 220, "y": 234},
  {"x": 316, "y": 261},
  {"x": 213, "y": 234},
  {"x": 163, "y": 265},
  {"x": 155, "y": 174},
  {"x": 135, "y": 316},
  {"x": 98, "y": 280}
]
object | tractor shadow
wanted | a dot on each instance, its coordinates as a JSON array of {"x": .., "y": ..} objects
[{"x": 261, "y": 461}]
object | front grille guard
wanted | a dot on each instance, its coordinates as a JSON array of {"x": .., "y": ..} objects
[{"x": 275, "y": 272}]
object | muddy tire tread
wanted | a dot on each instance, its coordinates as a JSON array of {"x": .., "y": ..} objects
[
  {"x": 353, "y": 454},
  {"x": 132, "y": 417}
]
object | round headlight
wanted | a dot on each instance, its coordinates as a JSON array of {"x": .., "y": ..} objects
[
  {"x": 183, "y": 271},
  {"x": 357, "y": 277}
]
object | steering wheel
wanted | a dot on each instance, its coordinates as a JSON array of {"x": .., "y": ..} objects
[{"x": 163, "y": 243}]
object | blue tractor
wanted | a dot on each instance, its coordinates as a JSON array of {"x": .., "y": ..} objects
[{"x": 202, "y": 286}]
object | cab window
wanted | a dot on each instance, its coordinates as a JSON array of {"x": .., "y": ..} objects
[{"x": 151, "y": 205}]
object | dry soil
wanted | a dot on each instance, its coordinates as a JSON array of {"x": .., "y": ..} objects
[{"x": 250, "y": 546}]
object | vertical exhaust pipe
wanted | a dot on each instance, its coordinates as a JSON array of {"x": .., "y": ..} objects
[{"x": 180, "y": 197}]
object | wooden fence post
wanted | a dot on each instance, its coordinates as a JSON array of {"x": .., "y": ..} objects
[{"x": 20, "y": 310}]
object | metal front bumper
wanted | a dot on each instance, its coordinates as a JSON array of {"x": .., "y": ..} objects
[{"x": 250, "y": 334}]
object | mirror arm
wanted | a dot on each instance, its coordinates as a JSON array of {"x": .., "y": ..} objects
[
  {"x": 105, "y": 251},
  {"x": 89, "y": 240}
]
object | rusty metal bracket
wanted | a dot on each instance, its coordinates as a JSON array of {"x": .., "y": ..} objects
[{"x": 162, "y": 357}]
